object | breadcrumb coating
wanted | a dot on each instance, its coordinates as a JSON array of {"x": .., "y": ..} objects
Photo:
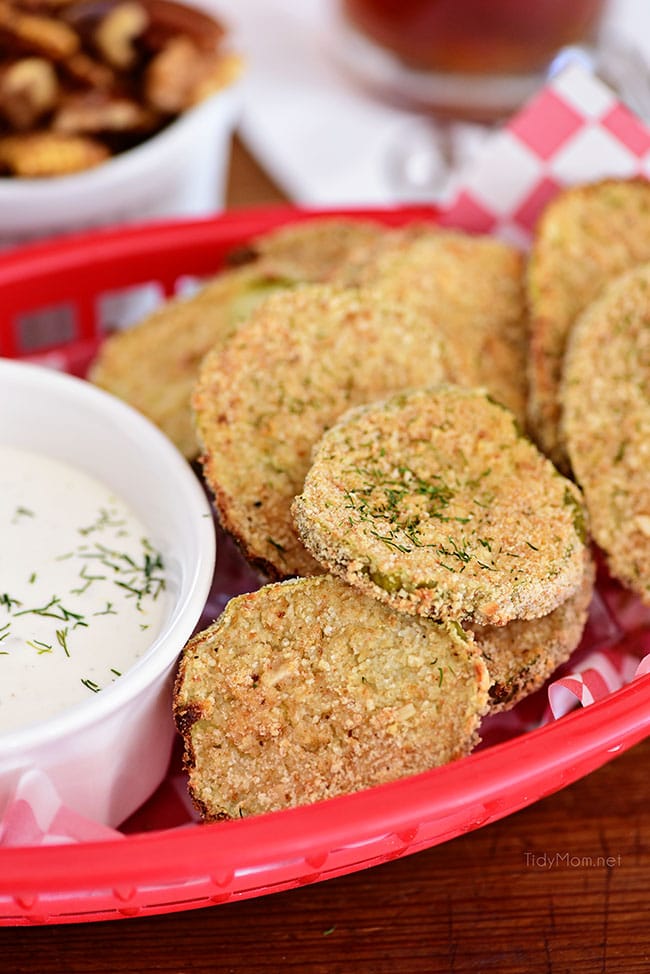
[
  {"x": 265, "y": 399},
  {"x": 153, "y": 366},
  {"x": 434, "y": 502},
  {"x": 305, "y": 689},
  {"x": 586, "y": 237},
  {"x": 472, "y": 288},
  {"x": 521, "y": 656},
  {"x": 606, "y": 398}
]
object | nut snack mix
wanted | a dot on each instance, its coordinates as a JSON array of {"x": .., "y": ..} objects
[{"x": 83, "y": 81}]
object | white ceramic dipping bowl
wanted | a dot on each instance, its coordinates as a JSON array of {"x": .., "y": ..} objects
[{"x": 106, "y": 755}]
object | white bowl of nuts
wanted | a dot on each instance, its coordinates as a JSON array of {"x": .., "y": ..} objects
[
  {"x": 107, "y": 559},
  {"x": 111, "y": 111}
]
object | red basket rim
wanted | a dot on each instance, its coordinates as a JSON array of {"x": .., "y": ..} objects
[
  {"x": 492, "y": 783},
  {"x": 187, "y": 234}
]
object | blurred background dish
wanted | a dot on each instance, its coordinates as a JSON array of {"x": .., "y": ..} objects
[
  {"x": 461, "y": 58},
  {"x": 179, "y": 172},
  {"x": 112, "y": 112},
  {"x": 327, "y": 139},
  {"x": 319, "y": 117}
]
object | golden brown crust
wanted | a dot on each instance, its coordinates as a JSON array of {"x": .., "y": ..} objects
[
  {"x": 521, "y": 656},
  {"x": 304, "y": 690},
  {"x": 312, "y": 250},
  {"x": 606, "y": 401},
  {"x": 434, "y": 503},
  {"x": 472, "y": 287},
  {"x": 154, "y": 365},
  {"x": 264, "y": 400},
  {"x": 587, "y": 236}
]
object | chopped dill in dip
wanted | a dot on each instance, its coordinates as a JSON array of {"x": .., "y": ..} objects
[{"x": 82, "y": 590}]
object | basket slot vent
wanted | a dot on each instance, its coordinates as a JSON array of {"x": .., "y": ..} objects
[
  {"x": 123, "y": 308},
  {"x": 46, "y": 327}
]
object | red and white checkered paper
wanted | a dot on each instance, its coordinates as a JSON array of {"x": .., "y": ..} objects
[{"x": 574, "y": 131}]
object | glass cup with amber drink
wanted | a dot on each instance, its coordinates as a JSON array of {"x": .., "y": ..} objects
[
  {"x": 458, "y": 67},
  {"x": 470, "y": 59}
]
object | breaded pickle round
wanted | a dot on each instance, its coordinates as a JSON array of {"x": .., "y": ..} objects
[
  {"x": 153, "y": 366},
  {"x": 434, "y": 503},
  {"x": 521, "y": 656},
  {"x": 311, "y": 250},
  {"x": 265, "y": 399},
  {"x": 305, "y": 689},
  {"x": 587, "y": 236},
  {"x": 606, "y": 396},
  {"x": 472, "y": 287}
]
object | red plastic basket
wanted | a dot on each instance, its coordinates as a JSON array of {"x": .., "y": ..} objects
[{"x": 156, "y": 868}]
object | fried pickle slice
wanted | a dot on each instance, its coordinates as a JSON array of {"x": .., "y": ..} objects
[
  {"x": 305, "y": 690},
  {"x": 433, "y": 502},
  {"x": 153, "y": 366},
  {"x": 521, "y": 656},
  {"x": 586, "y": 237},
  {"x": 606, "y": 400},
  {"x": 265, "y": 398},
  {"x": 472, "y": 287},
  {"x": 312, "y": 250}
]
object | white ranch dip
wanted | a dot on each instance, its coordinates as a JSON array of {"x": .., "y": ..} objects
[{"x": 81, "y": 588}]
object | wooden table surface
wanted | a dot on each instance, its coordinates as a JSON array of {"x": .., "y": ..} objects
[{"x": 527, "y": 894}]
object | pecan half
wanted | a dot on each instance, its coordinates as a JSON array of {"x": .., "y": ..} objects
[
  {"x": 33, "y": 34},
  {"x": 37, "y": 154},
  {"x": 172, "y": 75},
  {"x": 91, "y": 113},
  {"x": 28, "y": 89},
  {"x": 89, "y": 72},
  {"x": 117, "y": 32},
  {"x": 181, "y": 75},
  {"x": 169, "y": 20}
]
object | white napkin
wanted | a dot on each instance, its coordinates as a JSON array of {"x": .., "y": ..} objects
[
  {"x": 324, "y": 140},
  {"x": 318, "y": 135}
]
